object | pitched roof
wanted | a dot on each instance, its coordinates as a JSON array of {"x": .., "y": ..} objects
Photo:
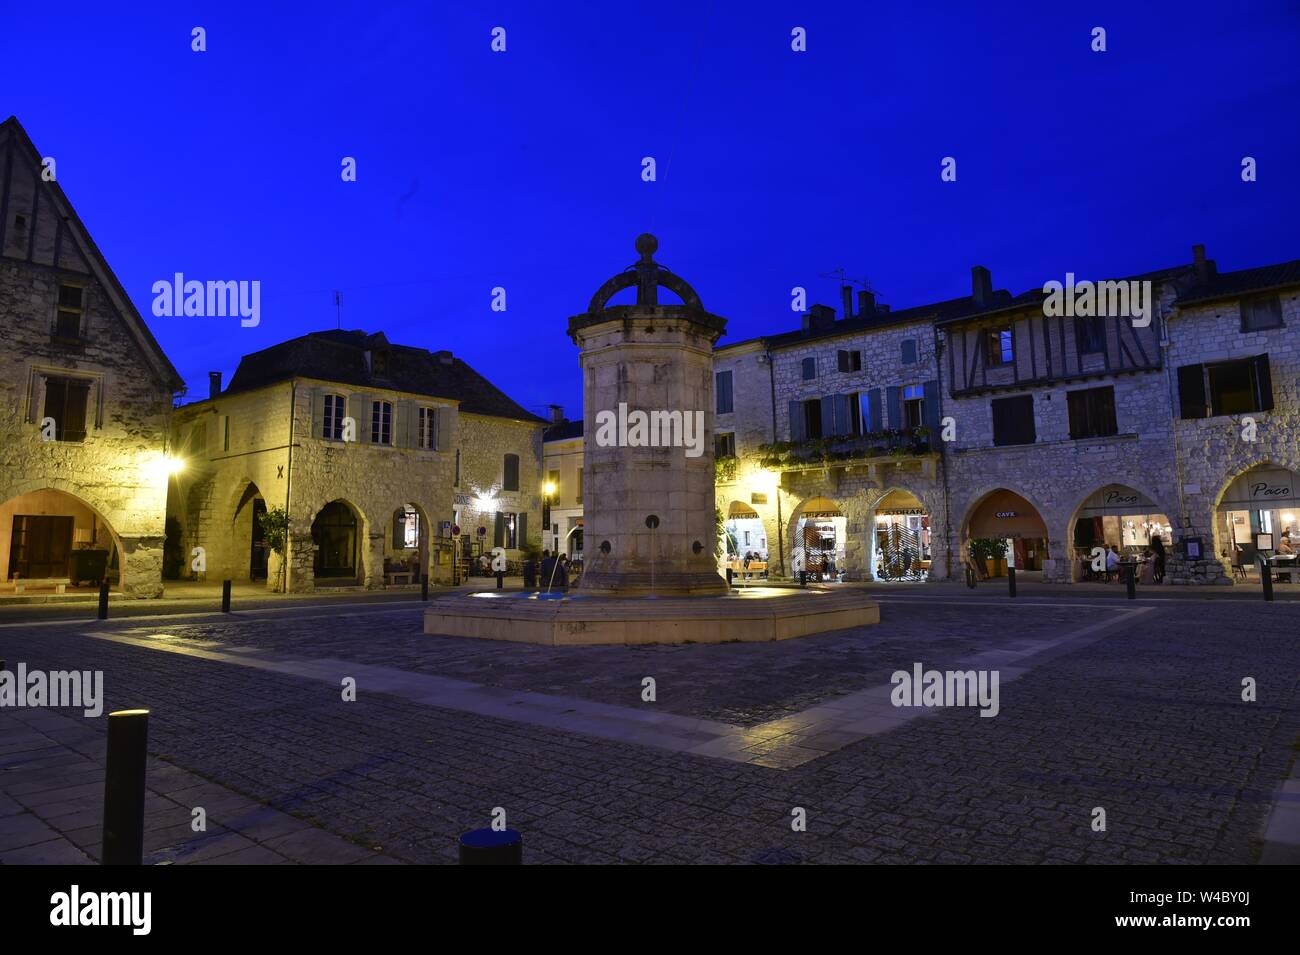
[
  {"x": 563, "y": 431},
  {"x": 166, "y": 371},
  {"x": 340, "y": 356},
  {"x": 1242, "y": 282}
]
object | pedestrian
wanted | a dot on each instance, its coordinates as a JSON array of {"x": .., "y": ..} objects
[
  {"x": 1112, "y": 562},
  {"x": 1158, "y": 550}
]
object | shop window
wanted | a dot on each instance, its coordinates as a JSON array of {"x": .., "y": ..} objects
[
  {"x": 406, "y": 528},
  {"x": 65, "y": 402},
  {"x": 1258, "y": 314},
  {"x": 1013, "y": 420},
  {"x": 1092, "y": 412},
  {"x": 723, "y": 389}
]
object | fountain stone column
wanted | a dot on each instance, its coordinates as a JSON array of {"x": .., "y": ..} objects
[{"x": 648, "y": 407}]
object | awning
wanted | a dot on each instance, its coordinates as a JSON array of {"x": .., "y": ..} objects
[
  {"x": 1116, "y": 500},
  {"x": 899, "y": 502},
  {"x": 1006, "y": 514},
  {"x": 740, "y": 509},
  {"x": 1262, "y": 489},
  {"x": 816, "y": 507}
]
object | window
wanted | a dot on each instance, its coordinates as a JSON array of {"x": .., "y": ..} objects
[
  {"x": 510, "y": 473},
  {"x": 427, "y": 436},
  {"x": 850, "y": 360},
  {"x": 406, "y": 528},
  {"x": 1090, "y": 333},
  {"x": 65, "y": 402},
  {"x": 909, "y": 351},
  {"x": 809, "y": 369},
  {"x": 1013, "y": 420},
  {"x": 1092, "y": 412},
  {"x": 70, "y": 310},
  {"x": 812, "y": 418},
  {"x": 724, "y": 445},
  {"x": 913, "y": 407},
  {"x": 381, "y": 422},
  {"x": 724, "y": 392},
  {"x": 869, "y": 410},
  {"x": 507, "y": 531},
  {"x": 999, "y": 348},
  {"x": 1225, "y": 388},
  {"x": 332, "y": 423},
  {"x": 1258, "y": 314},
  {"x": 851, "y": 409}
]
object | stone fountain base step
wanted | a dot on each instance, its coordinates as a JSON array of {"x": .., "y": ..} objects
[{"x": 756, "y": 614}]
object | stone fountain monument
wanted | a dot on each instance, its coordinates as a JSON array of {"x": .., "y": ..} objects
[{"x": 651, "y": 575}]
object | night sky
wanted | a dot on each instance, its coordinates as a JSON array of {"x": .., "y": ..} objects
[{"x": 523, "y": 169}]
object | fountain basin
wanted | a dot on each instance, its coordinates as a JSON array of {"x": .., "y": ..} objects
[{"x": 751, "y": 615}]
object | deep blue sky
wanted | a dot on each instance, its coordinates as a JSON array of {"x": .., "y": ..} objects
[{"x": 523, "y": 169}]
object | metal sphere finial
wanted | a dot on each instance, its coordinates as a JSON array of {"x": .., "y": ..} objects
[{"x": 646, "y": 244}]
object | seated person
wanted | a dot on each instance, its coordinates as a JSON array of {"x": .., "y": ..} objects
[{"x": 1284, "y": 546}]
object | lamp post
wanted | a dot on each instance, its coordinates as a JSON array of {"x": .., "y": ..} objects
[{"x": 548, "y": 491}]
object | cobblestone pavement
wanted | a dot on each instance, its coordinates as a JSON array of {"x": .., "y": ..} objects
[{"x": 1146, "y": 722}]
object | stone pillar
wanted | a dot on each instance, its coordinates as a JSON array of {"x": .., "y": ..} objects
[
  {"x": 141, "y": 566},
  {"x": 300, "y": 575},
  {"x": 371, "y": 556},
  {"x": 648, "y": 454}
]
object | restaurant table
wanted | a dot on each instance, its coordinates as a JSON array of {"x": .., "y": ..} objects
[{"x": 1287, "y": 564}]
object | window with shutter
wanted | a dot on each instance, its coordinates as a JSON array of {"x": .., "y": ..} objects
[
  {"x": 1092, "y": 412},
  {"x": 1259, "y": 314},
  {"x": 809, "y": 369},
  {"x": 65, "y": 402},
  {"x": 1013, "y": 420},
  {"x": 723, "y": 389},
  {"x": 909, "y": 351},
  {"x": 510, "y": 473},
  {"x": 1191, "y": 391}
]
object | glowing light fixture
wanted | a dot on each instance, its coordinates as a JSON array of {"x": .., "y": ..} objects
[{"x": 548, "y": 488}]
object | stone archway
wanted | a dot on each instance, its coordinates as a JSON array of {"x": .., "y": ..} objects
[
  {"x": 340, "y": 545},
  {"x": 1256, "y": 510},
  {"x": 900, "y": 539},
  {"x": 1119, "y": 514},
  {"x": 1003, "y": 514},
  {"x": 817, "y": 532},
  {"x": 51, "y": 537}
]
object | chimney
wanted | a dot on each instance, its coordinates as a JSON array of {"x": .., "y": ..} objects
[
  {"x": 846, "y": 297},
  {"x": 866, "y": 304},
  {"x": 981, "y": 286},
  {"x": 444, "y": 357},
  {"x": 557, "y": 414},
  {"x": 1205, "y": 268},
  {"x": 214, "y": 384},
  {"x": 819, "y": 317}
]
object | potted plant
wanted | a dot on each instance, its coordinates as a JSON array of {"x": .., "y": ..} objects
[
  {"x": 992, "y": 553},
  {"x": 275, "y": 532}
]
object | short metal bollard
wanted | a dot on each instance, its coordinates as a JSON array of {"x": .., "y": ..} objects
[
  {"x": 501, "y": 579},
  {"x": 424, "y": 586},
  {"x": 803, "y": 578},
  {"x": 225, "y": 596},
  {"x": 728, "y": 578},
  {"x": 490, "y": 847},
  {"x": 1130, "y": 581},
  {"x": 1011, "y": 581},
  {"x": 103, "y": 600},
  {"x": 128, "y": 738},
  {"x": 1266, "y": 578}
]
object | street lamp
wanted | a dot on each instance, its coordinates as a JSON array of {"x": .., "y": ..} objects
[{"x": 548, "y": 491}]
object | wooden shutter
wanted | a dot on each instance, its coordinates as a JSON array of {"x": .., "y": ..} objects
[
  {"x": 403, "y": 416},
  {"x": 828, "y": 416},
  {"x": 1191, "y": 391},
  {"x": 358, "y": 407},
  {"x": 843, "y": 358},
  {"x": 931, "y": 412},
  {"x": 909, "y": 351},
  {"x": 521, "y": 531},
  {"x": 894, "y": 395},
  {"x": 873, "y": 410},
  {"x": 797, "y": 430},
  {"x": 1263, "y": 383},
  {"x": 74, "y": 409},
  {"x": 510, "y": 473},
  {"x": 34, "y": 392},
  {"x": 499, "y": 530},
  {"x": 317, "y": 413}
]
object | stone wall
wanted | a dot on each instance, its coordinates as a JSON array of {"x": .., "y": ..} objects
[{"x": 484, "y": 442}]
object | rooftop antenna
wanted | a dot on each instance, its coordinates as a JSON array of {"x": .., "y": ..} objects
[
  {"x": 845, "y": 280},
  {"x": 338, "y": 310}
]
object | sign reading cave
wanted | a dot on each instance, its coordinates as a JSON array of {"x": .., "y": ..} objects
[{"x": 1005, "y": 514}]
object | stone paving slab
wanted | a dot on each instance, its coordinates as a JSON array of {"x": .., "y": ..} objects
[{"x": 1146, "y": 721}]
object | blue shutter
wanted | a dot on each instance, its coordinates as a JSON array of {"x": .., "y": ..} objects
[
  {"x": 909, "y": 351},
  {"x": 843, "y": 415},
  {"x": 894, "y": 396},
  {"x": 873, "y": 411},
  {"x": 828, "y": 415},
  {"x": 931, "y": 416},
  {"x": 797, "y": 432}
]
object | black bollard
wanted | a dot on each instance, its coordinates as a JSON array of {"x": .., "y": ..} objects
[
  {"x": 1011, "y": 581},
  {"x": 225, "y": 596},
  {"x": 728, "y": 578},
  {"x": 1266, "y": 578},
  {"x": 501, "y": 579},
  {"x": 970, "y": 577},
  {"x": 1130, "y": 581},
  {"x": 424, "y": 586},
  {"x": 128, "y": 738},
  {"x": 103, "y": 600},
  {"x": 490, "y": 847}
]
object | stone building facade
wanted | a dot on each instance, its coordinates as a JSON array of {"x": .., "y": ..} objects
[
  {"x": 992, "y": 417},
  {"x": 562, "y": 467},
  {"x": 376, "y": 451},
  {"x": 85, "y": 399}
]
